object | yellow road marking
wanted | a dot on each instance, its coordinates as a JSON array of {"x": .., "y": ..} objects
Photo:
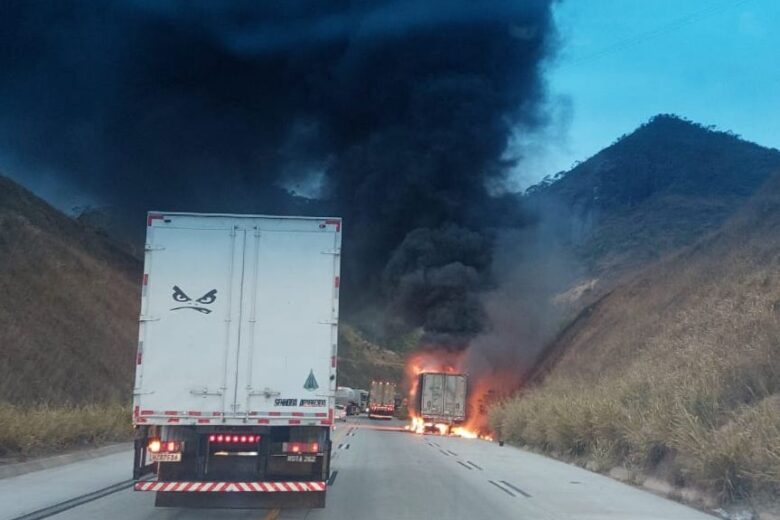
[{"x": 273, "y": 514}]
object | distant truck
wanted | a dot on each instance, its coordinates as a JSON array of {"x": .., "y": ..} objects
[
  {"x": 349, "y": 398},
  {"x": 236, "y": 366},
  {"x": 363, "y": 400},
  {"x": 381, "y": 400},
  {"x": 441, "y": 400}
]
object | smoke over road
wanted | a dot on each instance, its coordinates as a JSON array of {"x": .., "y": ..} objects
[{"x": 396, "y": 115}]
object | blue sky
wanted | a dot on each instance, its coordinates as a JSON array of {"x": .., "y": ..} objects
[{"x": 622, "y": 61}]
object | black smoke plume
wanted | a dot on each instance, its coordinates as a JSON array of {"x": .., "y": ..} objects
[{"x": 396, "y": 115}]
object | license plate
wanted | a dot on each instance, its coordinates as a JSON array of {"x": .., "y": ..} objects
[
  {"x": 166, "y": 457},
  {"x": 301, "y": 458}
]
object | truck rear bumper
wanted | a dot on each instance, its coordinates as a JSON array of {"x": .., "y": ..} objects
[{"x": 229, "y": 487}]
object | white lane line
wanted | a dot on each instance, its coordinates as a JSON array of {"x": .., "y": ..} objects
[
  {"x": 507, "y": 484},
  {"x": 476, "y": 466},
  {"x": 502, "y": 489}
]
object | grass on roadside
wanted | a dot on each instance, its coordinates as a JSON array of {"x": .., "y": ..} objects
[
  {"x": 42, "y": 429},
  {"x": 706, "y": 415}
]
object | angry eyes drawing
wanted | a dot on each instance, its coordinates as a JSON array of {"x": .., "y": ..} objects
[{"x": 207, "y": 299}]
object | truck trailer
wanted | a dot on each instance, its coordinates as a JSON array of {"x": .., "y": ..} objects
[
  {"x": 349, "y": 398},
  {"x": 381, "y": 400},
  {"x": 441, "y": 400},
  {"x": 236, "y": 365}
]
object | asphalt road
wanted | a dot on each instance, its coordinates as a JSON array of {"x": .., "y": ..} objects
[{"x": 383, "y": 473}]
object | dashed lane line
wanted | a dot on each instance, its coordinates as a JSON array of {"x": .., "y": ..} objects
[
  {"x": 503, "y": 489},
  {"x": 526, "y": 495}
]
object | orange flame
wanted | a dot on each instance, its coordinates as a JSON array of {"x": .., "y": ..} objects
[{"x": 484, "y": 390}]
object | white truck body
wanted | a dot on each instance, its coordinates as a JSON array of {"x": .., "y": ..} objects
[
  {"x": 443, "y": 397},
  {"x": 238, "y": 320}
]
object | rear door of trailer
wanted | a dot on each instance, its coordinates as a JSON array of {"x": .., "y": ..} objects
[
  {"x": 238, "y": 318},
  {"x": 287, "y": 360},
  {"x": 189, "y": 317}
]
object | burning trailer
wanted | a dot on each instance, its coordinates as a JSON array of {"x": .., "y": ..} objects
[{"x": 441, "y": 403}]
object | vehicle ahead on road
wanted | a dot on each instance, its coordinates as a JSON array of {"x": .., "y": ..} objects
[
  {"x": 381, "y": 400},
  {"x": 349, "y": 398},
  {"x": 363, "y": 400},
  {"x": 236, "y": 363},
  {"x": 340, "y": 413},
  {"x": 441, "y": 401}
]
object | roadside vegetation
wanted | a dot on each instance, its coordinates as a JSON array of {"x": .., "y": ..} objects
[
  {"x": 361, "y": 361},
  {"x": 42, "y": 429},
  {"x": 717, "y": 426},
  {"x": 675, "y": 374}
]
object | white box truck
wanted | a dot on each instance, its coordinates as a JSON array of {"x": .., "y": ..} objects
[
  {"x": 441, "y": 400},
  {"x": 236, "y": 366}
]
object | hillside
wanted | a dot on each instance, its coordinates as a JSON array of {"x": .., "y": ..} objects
[
  {"x": 663, "y": 186},
  {"x": 361, "y": 361},
  {"x": 675, "y": 373},
  {"x": 68, "y": 316}
]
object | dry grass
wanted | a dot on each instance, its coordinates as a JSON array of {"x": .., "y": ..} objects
[
  {"x": 42, "y": 429},
  {"x": 677, "y": 372},
  {"x": 69, "y": 307}
]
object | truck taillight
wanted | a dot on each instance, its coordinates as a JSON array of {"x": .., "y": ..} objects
[
  {"x": 241, "y": 438},
  {"x": 158, "y": 446},
  {"x": 300, "y": 447}
]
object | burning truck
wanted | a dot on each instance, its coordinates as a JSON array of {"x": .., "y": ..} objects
[
  {"x": 447, "y": 398},
  {"x": 440, "y": 403}
]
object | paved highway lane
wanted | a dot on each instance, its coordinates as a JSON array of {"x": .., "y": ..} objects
[{"x": 386, "y": 473}]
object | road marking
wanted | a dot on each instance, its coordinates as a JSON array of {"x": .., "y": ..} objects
[
  {"x": 346, "y": 447},
  {"x": 465, "y": 466},
  {"x": 273, "y": 514},
  {"x": 445, "y": 453},
  {"x": 502, "y": 489},
  {"x": 332, "y": 478},
  {"x": 340, "y": 445},
  {"x": 452, "y": 453},
  {"x": 516, "y": 489},
  {"x": 478, "y": 467}
]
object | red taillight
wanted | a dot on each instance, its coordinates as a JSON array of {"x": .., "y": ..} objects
[
  {"x": 156, "y": 446},
  {"x": 300, "y": 447},
  {"x": 237, "y": 439}
]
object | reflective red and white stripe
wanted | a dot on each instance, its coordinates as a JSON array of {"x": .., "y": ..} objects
[{"x": 230, "y": 487}]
